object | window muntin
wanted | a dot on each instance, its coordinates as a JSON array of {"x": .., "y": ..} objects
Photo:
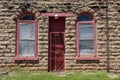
[{"x": 86, "y": 38}]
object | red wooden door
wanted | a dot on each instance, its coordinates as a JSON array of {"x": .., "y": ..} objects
[{"x": 56, "y": 44}]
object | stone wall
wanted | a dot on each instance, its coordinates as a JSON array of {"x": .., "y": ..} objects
[{"x": 10, "y": 9}]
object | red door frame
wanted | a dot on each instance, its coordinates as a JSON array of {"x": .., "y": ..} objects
[
  {"x": 52, "y": 31},
  {"x": 64, "y": 15}
]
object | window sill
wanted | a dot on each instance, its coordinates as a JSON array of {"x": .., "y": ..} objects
[
  {"x": 87, "y": 58},
  {"x": 25, "y": 58}
]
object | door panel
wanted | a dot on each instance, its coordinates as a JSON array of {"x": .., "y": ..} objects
[{"x": 56, "y": 45}]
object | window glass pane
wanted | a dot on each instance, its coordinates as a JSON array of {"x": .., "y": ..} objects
[
  {"x": 27, "y": 17},
  {"x": 26, "y": 48},
  {"x": 86, "y": 31},
  {"x": 84, "y": 17},
  {"x": 27, "y": 31},
  {"x": 86, "y": 47}
]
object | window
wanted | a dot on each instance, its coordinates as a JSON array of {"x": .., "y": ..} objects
[
  {"x": 26, "y": 45},
  {"x": 86, "y": 37}
]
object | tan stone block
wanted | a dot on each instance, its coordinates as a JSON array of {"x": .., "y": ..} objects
[
  {"x": 2, "y": 46},
  {"x": 101, "y": 50},
  {"x": 3, "y": 10},
  {"x": 45, "y": 34},
  {"x": 4, "y": 34},
  {"x": 11, "y": 30},
  {"x": 43, "y": 42},
  {"x": 45, "y": 46},
  {"x": 72, "y": 22},
  {"x": 71, "y": 50},
  {"x": 70, "y": 43},
  {"x": 43, "y": 51},
  {"x": 73, "y": 31},
  {"x": 10, "y": 65},
  {"x": 67, "y": 23},
  {"x": 22, "y": 65},
  {"x": 2, "y": 65}
]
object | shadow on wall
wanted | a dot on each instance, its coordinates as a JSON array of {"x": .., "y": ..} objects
[
  {"x": 87, "y": 61},
  {"x": 27, "y": 61}
]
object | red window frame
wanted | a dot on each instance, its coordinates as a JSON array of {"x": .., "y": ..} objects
[
  {"x": 88, "y": 57},
  {"x": 35, "y": 57}
]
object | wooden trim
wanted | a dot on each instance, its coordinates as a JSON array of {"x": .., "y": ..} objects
[
  {"x": 26, "y": 12},
  {"x": 59, "y": 14},
  {"x": 87, "y": 58},
  {"x": 27, "y": 21},
  {"x": 88, "y": 13},
  {"x": 36, "y": 39},
  {"x": 25, "y": 58}
]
